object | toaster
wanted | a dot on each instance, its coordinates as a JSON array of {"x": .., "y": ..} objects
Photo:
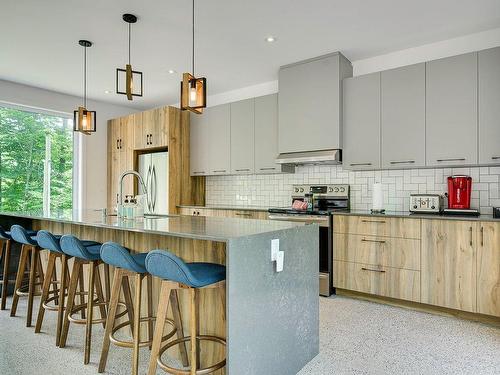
[{"x": 426, "y": 203}]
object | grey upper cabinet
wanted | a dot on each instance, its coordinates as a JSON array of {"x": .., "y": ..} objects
[
  {"x": 310, "y": 115},
  {"x": 266, "y": 134},
  {"x": 402, "y": 100},
  {"x": 362, "y": 122},
  {"x": 489, "y": 106},
  {"x": 451, "y": 111},
  {"x": 242, "y": 137},
  {"x": 219, "y": 139},
  {"x": 199, "y": 131}
]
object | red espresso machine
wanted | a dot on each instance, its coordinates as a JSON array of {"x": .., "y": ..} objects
[{"x": 459, "y": 194}]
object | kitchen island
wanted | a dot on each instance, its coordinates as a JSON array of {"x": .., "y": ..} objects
[{"x": 271, "y": 322}]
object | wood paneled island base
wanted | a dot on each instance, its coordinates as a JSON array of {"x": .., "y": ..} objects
[{"x": 261, "y": 303}]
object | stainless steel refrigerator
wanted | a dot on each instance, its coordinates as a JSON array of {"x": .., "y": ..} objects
[{"x": 153, "y": 168}]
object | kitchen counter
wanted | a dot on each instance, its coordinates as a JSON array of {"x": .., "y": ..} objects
[
  {"x": 235, "y": 208},
  {"x": 260, "y": 302},
  {"x": 193, "y": 227},
  {"x": 404, "y": 214}
]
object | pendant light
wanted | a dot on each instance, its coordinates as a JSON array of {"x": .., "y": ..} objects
[
  {"x": 84, "y": 121},
  {"x": 128, "y": 81},
  {"x": 193, "y": 90}
]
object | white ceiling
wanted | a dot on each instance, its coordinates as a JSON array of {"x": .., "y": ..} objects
[{"x": 38, "y": 39}]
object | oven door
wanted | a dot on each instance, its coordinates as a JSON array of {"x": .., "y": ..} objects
[{"x": 325, "y": 246}]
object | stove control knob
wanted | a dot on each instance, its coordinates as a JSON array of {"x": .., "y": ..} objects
[
  {"x": 330, "y": 189},
  {"x": 415, "y": 207},
  {"x": 433, "y": 207},
  {"x": 336, "y": 189},
  {"x": 342, "y": 189},
  {"x": 301, "y": 190},
  {"x": 296, "y": 190}
]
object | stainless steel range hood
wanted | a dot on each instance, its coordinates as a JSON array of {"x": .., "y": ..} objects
[{"x": 311, "y": 157}]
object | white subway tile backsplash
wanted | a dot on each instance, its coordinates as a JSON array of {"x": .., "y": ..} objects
[{"x": 275, "y": 190}]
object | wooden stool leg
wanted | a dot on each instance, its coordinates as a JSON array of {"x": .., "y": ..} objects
[
  {"x": 193, "y": 327},
  {"x": 19, "y": 277},
  {"x": 73, "y": 283},
  {"x": 45, "y": 291},
  {"x": 161, "y": 315},
  {"x": 82, "y": 290},
  {"x": 176, "y": 312},
  {"x": 137, "y": 323},
  {"x": 110, "y": 321},
  {"x": 39, "y": 269},
  {"x": 55, "y": 287},
  {"x": 149, "y": 288},
  {"x": 90, "y": 312},
  {"x": 128, "y": 302},
  {"x": 100, "y": 296},
  {"x": 106, "y": 282},
  {"x": 31, "y": 287},
  {"x": 6, "y": 262},
  {"x": 60, "y": 307}
]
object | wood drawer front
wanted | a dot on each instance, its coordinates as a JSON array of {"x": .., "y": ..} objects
[
  {"x": 377, "y": 226},
  {"x": 381, "y": 281},
  {"x": 379, "y": 251}
]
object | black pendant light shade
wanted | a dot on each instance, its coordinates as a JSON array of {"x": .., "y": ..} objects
[
  {"x": 84, "y": 121},
  {"x": 193, "y": 90},
  {"x": 129, "y": 81}
]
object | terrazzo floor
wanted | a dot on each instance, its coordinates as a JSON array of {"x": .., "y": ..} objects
[{"x": 356, "y": 337}]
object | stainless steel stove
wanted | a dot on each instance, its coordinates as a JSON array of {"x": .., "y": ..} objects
[{"x": 327, "y": 199}]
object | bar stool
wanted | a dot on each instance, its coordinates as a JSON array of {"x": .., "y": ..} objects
[
  {"x": 178, "y": 275},
  {"x": 29, "y": 245},
  {"x": 5, "y": 249},
  {"x": 84, "y": 252},
  {"x": 50, "y": 242},
  {"x": 131, "y": 266}
]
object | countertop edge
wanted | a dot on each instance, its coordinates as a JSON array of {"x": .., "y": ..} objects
[{"x": 407, "y": 215}]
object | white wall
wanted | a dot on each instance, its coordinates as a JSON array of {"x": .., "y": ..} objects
[{"x": 94, "y": 147}]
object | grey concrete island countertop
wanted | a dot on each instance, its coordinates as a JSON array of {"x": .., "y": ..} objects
[
  {"x": 404, "y": 214},
  {"x": 222, "y": 207},
  {"x": 195, "y": 227}
]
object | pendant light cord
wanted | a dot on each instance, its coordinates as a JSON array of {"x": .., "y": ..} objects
[
  {"x": 85, "y": 76},
  {"x": 193, "y": 39},
  {"x": 129, "y": 43}
]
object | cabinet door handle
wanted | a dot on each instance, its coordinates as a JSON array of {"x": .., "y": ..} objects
[
  {"x": 482, "y": 236},
  {"x": 151, "y": 139},
  {"x": 452, "y": 159},
  {"x": 242, "y": 170},
  {"x": 373, "y": 221},
  {"x": 242, "y": 214},
  {"x": 367, "y": 240},
  {"x": 203, "y": 172},
  {"x": 372, "y": 270},
  {"x": 220, "y": 171},
  {"x": 268, "y": 169},
  {"x": 403, "y": 162},
  {"x": 470, "y": 231},
  {"x": 359, "y": 164},
  {"x": 117, "y": 144},
  {"x": 121, "y": 144},
  {"x": 147, "y": 139},
  {"x": 194, "y": 213},
  {"x": 495, "y": 157}
]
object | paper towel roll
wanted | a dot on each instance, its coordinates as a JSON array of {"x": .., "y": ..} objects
[{"x": 378, "y": 197}]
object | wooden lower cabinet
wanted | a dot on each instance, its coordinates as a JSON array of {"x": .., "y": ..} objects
[
  {"x": 449, "y": 264},
  {"x": 382, "y": 281},
  {"x": 488, "y": 269},
  {"x": 377, "y": 226},
  {"x": 214, "y": 212}
]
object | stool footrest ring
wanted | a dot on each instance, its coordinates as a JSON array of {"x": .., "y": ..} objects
[{"x": 130, "y": 344}]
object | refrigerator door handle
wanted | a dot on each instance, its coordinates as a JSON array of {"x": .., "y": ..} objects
[
  {"x": 148, "y": 187},
  {"x": 155, "y": 188}
]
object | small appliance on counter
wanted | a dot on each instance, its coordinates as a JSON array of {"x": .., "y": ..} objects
[
  {"x": 377, "y": 199},
  {"x": 426, "y": 203},
  {"x": 496, "y": 212},
  {"x": 459, "y": 194}
]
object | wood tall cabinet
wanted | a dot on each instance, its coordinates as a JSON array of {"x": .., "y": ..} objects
[
  {"x": 451, "y": 111},
  {"x": 362, "y": 122},
  {"x": 449, "y": 264},
  {"x": 488, "y": 268},
  {"x": 160, "y": 129},
  {"x": 489, "y": 108}
]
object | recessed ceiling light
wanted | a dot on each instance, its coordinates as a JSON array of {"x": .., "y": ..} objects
[
  {"x": 107, "y": 91},
  {"x": 270, "y": 39},
  {"x": 171, "y": 71}
]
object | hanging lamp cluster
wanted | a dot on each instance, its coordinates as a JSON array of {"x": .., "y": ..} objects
[
  {"x": 84, "y": 121},
  {"x": 193, "y": 90},
  {"x": 128, "y": 81}
]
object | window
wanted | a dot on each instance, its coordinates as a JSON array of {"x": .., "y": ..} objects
[{"x": 36, "y": 160}]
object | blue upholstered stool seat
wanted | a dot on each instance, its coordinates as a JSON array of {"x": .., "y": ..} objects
[
  {"x": 119, "y": 256},
  {"x": 167, "y": 266},
  {"x": 5, "y": 234},
  {"x": 21, "y": 235},
  {"x": 49, "y": 241},
  {"x": 89, "y": 250}
]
